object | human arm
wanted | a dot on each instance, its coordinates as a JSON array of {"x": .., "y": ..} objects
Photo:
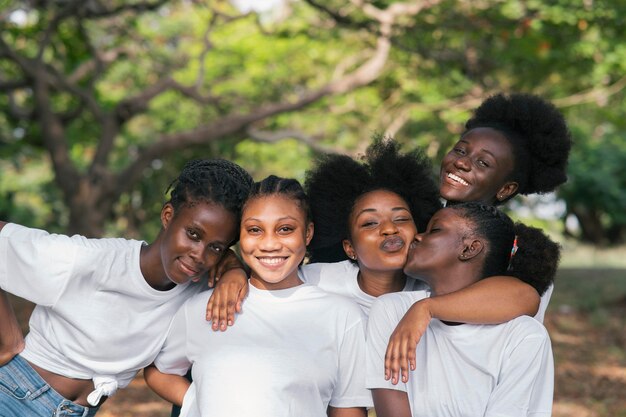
[
  {"x": 492, "y": 300},
  {"x": 170, "y": 387},
  {"x": 391, "y": 403},
  {"x": 11, "y": 336},
  {"x": 227, "y": 298},
  {"x": 346, "y": 412}
]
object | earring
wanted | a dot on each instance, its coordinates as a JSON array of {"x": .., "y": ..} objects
[{"x": 353, "y": 257}]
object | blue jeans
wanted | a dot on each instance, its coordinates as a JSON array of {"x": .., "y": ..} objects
[{"x": 24, "y": 393}]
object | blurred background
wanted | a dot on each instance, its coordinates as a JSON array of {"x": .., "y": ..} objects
[{"x": 102, "y": 102}]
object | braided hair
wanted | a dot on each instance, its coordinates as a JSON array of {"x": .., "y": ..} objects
[
  {"x": 212, "y": 181},
  {"x": 287, "y": 187},
  {"x": 537, "y": 132},
  {"x": 337, "y": 181},
  {"x": 535, "y": 257}
]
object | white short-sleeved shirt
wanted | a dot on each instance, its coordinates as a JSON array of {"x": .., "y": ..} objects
[
  {"x": 467, "y": 370},
  {"x": 292, "y": 352},
  {"x": 96, "y": 316},
  {"x": 341, "y": 278}
]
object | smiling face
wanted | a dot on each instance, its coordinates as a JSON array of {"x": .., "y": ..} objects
[
  {"x": 477, "y": 168},
  {"x": 381, "y": 229},
  {"x": 194, "y": 239},
  {"x": 273, "y": 238}
]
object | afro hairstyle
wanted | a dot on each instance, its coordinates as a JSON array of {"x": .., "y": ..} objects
[
  {"x": 538, "y": 133},
  {"x": 337, "y": 181}
]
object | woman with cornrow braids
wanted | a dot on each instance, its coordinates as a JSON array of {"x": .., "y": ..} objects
[
  {"x": 103, "y": 306},
  {"x": 465, "y": 369}
]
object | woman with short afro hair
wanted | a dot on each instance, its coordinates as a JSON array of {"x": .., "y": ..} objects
[{"x": 513, "y": 144}]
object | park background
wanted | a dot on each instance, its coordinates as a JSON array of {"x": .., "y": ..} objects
[{"x": 102, "y": 103}]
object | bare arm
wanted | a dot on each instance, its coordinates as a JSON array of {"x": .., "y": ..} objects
[
  {"x": 171, "y": 388},
  {"x": 346, "y": 412},
  {"x": 11, "y": 337},
  {"x": 391, "y": 403},
  {"x": 227, "y": 299},
  {"x": 492, "y": 300}
]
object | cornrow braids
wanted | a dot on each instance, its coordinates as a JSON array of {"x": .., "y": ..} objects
[
  {"x": 337, "y": 181},
  {"x": 287, "y": 187},
  {"x": 211, "y": 180},
  {"x": 539, "y": 136},
  {"x": 536, "y": 258}
]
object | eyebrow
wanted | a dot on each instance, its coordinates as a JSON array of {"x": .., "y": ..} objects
[
  {"x": 278, "y": 220},
  {"x": 373, "y": 210}
]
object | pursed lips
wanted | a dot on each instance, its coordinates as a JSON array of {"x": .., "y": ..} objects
[{"x": 392, "y": 244}]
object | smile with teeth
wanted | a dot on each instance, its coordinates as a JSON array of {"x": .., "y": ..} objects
[
  {"x": 272, "y": 261},
  {"x": 457, "y": 179}
]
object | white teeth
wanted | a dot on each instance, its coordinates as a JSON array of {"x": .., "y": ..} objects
[
  {"x": 272, "y": 261},
  {"x": 457, "y": 178}
]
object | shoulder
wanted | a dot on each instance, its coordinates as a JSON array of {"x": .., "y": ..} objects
[
  {"x": 397, "y": 303},
  {"x": 525, "y": 331},
  {"x": 328, "y": 273}
]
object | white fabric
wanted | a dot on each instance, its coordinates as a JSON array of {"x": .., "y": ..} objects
[
  {"x": 543, "y": 304},
  {"x": 291, "y": 352},
  {"x": 467, "y": 370},
  {"x": 341, "y": 278},
  {"x": 96, "y": 316}
]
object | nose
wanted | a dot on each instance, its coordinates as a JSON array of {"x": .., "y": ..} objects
[
  {"x": 269, "y": 243},
  {"x": 418, "y": 237},
  {"x": 462, "y": 163},
  {"x": 389, "y": 228}
]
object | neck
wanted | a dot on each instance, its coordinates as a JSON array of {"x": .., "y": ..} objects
[
  {"x": 152, "y": 268},
  {"x": 451, "y": 280},
  {"x": 379, "y": 283}
]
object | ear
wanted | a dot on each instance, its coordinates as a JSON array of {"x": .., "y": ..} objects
[
  {"x": 349, "y": 249},
  {"x": 507, "y": 190},
  {"x": 310, "y": 228},
  {"x": 167, "y": 214},
  {"x": 471, "y": 249}
]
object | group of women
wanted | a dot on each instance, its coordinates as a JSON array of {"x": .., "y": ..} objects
[{"x": 297, "y": 339}]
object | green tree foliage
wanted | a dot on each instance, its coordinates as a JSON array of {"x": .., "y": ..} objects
[{"x": 103, "y": 101}]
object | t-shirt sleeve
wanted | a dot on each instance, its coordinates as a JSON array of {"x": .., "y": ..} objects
[
  {"x": 311, "y": 273},
  {"x": 543, "y": 305},
  {"x": 526, "y": 382},
  {"x": 382, "y": 321},
  {"x": 35, "y": 264},
  {"x": 173, "y": 359},
  {"x": 350, "y": 391}
]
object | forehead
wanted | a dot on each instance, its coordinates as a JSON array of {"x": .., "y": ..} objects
[
  {"x": 449, "y": 216},
  {"x": 273, "y": 206},
  {"x": 379, "y": 200},
  {"x": 488, "y": 140}
]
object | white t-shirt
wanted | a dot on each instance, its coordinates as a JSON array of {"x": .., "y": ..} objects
[
  {"x": 341, "y": 278},
  {"x": 96, "y": 316},
  {"x": 467, "y": 370},
  {"x": 291, "y": 352}
]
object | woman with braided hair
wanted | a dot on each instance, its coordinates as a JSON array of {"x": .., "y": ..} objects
[
  {"x": 103, "y": 306},
  {"x": 466, "y": 369}
]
